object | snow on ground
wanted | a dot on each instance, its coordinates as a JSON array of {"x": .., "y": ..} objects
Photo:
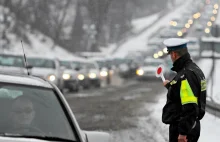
[
  {"x": 209, "y": 132},
  {"x": 206, "y": 66},
  {"x": 141, "y": 23},
  {"x": 140, "y": 42},
  {"x": 40, "y": 45},
  {"x": 138, "y": 25},
  {"x": 108, "y": 50},
  {"x": 216, "y": 77}
]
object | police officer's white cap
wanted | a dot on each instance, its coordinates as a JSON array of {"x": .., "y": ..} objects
[{"x": 175, "y": 43}]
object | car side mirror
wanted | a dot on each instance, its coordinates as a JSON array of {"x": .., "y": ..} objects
[{"x": 93, "y": 136}]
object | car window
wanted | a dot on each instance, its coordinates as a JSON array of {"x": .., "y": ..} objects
[
  {"x": 90, "y": 66},
  {"x": 32, "y": 111},
  {"x": 41, "y": 63},
  {"x": 101, "y": 64},
  {"x": 10, "y": 60},
  {"x": 76, "y": 64},
  {"x": 66, "y": 64}
]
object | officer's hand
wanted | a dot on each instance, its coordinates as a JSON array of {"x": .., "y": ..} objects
[
  {"x": 182, "y": 138},
  {"x": 165, "y": 82}
]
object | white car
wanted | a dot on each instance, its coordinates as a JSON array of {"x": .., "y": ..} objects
[
  {"x": 148, "y": 69},
  {"x": 94, "y": 73},
  {"x": 11, "y": 63},
  {"x": 34, "y": 110},
  {"x": 91, "y": 70},
  {"x": 47, "y": 68},
  {"x": 70, "y": 75}
]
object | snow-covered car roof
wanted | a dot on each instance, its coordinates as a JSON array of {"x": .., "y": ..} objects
[
  {"x": 24, "y": 80},
  {"x": 41, "y": 57},
  {"x": 72, "y": 59},
  {"x": 12, "y": 54},
  {"x": 97, "y": 59}
]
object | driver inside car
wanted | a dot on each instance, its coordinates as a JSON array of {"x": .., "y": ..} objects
[{"x": 22, "y": 115}]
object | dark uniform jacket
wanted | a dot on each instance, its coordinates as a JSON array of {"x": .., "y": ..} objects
[{"x": 186, "y": 97}]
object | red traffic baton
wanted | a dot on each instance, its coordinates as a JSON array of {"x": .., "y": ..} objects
[{"x": 159, "y": 72}]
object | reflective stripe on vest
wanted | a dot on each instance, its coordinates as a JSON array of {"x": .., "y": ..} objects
[{"x": 186, "y": 93}]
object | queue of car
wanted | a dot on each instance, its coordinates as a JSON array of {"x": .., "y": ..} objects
[{"x": 66, "y": 73}]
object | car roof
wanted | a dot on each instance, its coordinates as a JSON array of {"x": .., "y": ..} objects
[
  {"x": 24, "y": 80},
  {"x": 11, "y": 54},
  {"x": 41, "y": 57}
]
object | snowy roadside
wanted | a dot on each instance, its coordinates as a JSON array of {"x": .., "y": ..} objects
[
  {"x": 39, "y": 45},
  {"x": 150, "y": 127},
  {"x": 139, "y": 42},
  {"x": 139, "y": 25},
  {"x": 206, "y": 66},
  {"x": 142, "y": 23},
  {"x": 209, "y": 121}
]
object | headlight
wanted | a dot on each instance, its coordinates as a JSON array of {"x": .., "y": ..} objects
[
  {"x": 66, "y": 76},
  {"x": 81, "y": 77},
  {"x": 104, "y": 73},
  {"x": 92, "y": 75},
  {"x": 52, "y": 78},
  {"x": 140, "y": 72}
]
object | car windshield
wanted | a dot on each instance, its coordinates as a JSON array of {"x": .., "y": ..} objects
[
  {"x": 91, "y": 66},
  {"x": 32, "y": 111},
  {"x": 76, "y": 64},
  {"x": 41, "y": 63},
  {"x": 66, "y": 64},
  {"x": 101, "y": 64},
  {"x": 12, "y": 61}
]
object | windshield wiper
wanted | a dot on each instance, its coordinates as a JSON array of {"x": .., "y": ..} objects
[{"x": 50, "y": 138}]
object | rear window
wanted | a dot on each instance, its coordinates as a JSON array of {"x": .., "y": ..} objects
[
  {"x": 91, "y": 66},
  {"x": 10, "y": 60},
  {"x": 41, "y": 63},
  {"x": 66, "y": 64}
]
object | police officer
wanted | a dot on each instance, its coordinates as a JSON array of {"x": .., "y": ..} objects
[{"x": 186, "y": 97}]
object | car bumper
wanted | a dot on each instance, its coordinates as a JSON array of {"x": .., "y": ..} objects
[
  {"x": 95, "y": 81},
  {"x": 71, "y": 84}
]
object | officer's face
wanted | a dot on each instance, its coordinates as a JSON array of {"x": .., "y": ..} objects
[{"x": 173, "y": 56}]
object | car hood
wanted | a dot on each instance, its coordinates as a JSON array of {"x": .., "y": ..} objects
[
  {"x": 13, "y": 70},
  {"x": 70, "y": 71},
  {"x": 94, "y": 71},
  {"x": 8, "y": 139},
  {"x": 42, "y": 72}
]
